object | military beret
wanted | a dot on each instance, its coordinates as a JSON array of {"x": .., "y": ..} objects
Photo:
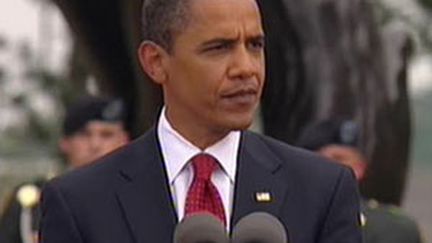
[
  {"x": 90, "y": 108},
  {"x": 333, "y": 131}
]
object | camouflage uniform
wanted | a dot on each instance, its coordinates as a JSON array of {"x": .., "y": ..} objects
[{"x": 388, "y": 224}]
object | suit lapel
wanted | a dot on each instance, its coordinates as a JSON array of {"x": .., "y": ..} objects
[
  {"x": 144, "y": 193},
  {"x": 257, "y": 178},
  {"x": 145, "y": 197}
]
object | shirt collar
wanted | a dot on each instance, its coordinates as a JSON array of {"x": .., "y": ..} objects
[{"x": 177, "y": 151}]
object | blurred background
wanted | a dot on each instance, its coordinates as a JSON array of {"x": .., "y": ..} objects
[{"x": 370, "y": 61}]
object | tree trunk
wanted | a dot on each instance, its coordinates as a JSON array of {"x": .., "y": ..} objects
[
  {"x": 327, "y": 58},
  {"x": 109, "y": 32}
]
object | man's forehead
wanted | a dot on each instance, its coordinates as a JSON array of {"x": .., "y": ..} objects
[
  {"x": 99, "y": 124},
  {"x": 227, "y": 17},
  {"x": 218, "y": 8}
]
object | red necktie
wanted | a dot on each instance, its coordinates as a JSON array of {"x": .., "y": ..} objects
[{"x": 203, "y": 195}]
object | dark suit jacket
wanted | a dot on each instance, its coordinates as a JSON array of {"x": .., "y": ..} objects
[{"x": 125, "y": 197}]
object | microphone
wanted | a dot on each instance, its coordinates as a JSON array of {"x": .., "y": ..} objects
[
  {"x": 200, "y": 228},
  {"x": 259, "y": 227}
]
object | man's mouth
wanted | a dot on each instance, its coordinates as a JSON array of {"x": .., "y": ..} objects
[{"x": 241, "y": 96}]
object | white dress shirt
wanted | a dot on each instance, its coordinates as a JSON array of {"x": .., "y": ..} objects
[{"x": 177, "y": 152}]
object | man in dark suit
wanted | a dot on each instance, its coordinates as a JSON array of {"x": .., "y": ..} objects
[{"x": 208, "y": 55}]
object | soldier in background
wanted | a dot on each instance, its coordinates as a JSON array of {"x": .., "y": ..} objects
[
  {"x": 337, "y": 140},
  {"x": 92, "y": 128}
]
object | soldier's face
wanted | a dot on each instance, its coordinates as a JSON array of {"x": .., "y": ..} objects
[
  {"x": 96, "y": 139},
  {"x": 347, "y": 156}
]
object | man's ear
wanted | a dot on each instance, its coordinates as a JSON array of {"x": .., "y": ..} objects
[
  {"x": 64, "y": 145},
  {"x": 151, "y": 57}
]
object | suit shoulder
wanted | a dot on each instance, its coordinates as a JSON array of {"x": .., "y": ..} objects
[
  {"x": 105, "y": 170},
  {"x": 296, "y": 159}
]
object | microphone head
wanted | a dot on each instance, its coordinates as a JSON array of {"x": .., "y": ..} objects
[
  {"x": 200, "y": 228},
  {"x": 259, "y": 227}
]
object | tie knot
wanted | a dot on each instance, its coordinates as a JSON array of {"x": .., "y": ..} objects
[{"x": 204, "y": 165}]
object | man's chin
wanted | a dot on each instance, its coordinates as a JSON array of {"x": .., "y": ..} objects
[
  {"x": 241, "y": 124},
  {"x": 234, "y": 121}
]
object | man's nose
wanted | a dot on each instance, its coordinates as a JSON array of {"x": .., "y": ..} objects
[
  {"x": 95, "y": 143},
  {"x": 243, "y": 64}
]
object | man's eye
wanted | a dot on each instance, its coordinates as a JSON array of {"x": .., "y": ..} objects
[
  {"x": 218, "y": 47},
  {"x": 107, "y": 134},
  {"x": 82, "y": 133},
  {"x": 257, "y": 44}
]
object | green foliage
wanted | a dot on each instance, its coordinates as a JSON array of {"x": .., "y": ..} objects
[
  {"x": 38, "y": 129},
  {"x": 422, "y": 128}
]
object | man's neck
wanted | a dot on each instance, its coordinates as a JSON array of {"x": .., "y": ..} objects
[{"x": 200, "y": 136}]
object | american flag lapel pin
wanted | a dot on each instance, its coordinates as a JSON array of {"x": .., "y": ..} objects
[{"x": 263, "y": 197}]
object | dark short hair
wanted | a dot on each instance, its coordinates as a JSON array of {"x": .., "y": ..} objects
[{"x": 162, "y": 19}]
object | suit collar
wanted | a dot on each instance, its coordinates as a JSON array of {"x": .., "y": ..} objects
[
  {"x": 177, "y": 150},
  {"x": 257, "y": 175},
  {"x": 146, "y": 200}
]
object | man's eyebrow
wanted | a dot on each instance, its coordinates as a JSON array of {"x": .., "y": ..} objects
[
  {"x": 259, "y": 37},
  {"x": 218, "y": 41}
]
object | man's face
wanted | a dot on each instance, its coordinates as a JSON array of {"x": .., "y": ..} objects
[
  {"x": 96, "y": 139},
  {"x": 214, "y": 74},
  {"x": 347, "y": 156}
]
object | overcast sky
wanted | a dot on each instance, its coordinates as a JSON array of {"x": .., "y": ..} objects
[
  {"x": 20, "y": 21},
  {"x": 18, "y": 18}
]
